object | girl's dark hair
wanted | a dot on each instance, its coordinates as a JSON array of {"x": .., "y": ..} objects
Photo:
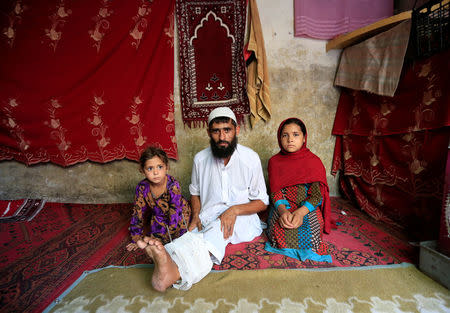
[
  {"x": 151, "y": 152},
  {"x": 295, "y": 121}
]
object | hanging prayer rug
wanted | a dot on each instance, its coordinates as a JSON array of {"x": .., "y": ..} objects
[{"x": 212, "y": 67}]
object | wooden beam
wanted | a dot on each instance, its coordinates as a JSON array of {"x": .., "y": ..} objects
[{"x": 366, "y": 32}]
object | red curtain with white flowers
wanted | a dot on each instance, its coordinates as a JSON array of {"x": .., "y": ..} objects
[{"x": 85, "y": 80}]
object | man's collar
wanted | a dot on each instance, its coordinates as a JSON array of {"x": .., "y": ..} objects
[{"x": 232, "y": 157}]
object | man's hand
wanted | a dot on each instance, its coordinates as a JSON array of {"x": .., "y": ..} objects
[
  {"x": 227, "y": 220},
  {"x": 195, "y": 222},
  {"x": 195, "y": 206}
]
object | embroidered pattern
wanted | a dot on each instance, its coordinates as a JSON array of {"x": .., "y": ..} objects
[
  {"x": 389, "y": 148},
  {"x": 136, "y": 128},
  {"x": 58, "y": 132},
  {"x": 15, "y": 17},
  {"x": 170, "y": 118},
  {"x": 58, "y": 19},
  {"x": 57, "y": 55},
  {"x": 169, "y": 31},
  {"x": 11, "y": 123},
  {"x": 140, "y": 23},
  {"x": 99, "y": 127},
  {"x": 422, "y": 303},
  {"x": 101, "y": 24}
]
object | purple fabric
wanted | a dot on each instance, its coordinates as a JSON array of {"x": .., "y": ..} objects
[
  {"x": 325, "y": 19},
  {"x": 153, "y": 217}
]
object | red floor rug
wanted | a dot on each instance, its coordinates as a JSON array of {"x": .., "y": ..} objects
[
  {"x": 357, "y": 241},
  {"x": 41, "y": 258},
  {"x": 20, "y": 210}
]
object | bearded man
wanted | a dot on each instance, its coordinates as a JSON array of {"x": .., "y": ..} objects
[{"x": 227, "y": 191}]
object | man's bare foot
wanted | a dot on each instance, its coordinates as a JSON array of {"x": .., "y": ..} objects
[
  {"x": 141, "y": 244},
  {"x": 146, "y": 239},
  {"x": 166, "y": 271}
]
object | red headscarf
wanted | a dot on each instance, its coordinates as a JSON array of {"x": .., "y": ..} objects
[{"x": 300, "y": 167}]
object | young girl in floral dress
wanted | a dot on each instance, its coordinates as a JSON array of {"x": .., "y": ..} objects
[
  {"x": 159, "y": 211},
  {"x": 300, "y": 198}
]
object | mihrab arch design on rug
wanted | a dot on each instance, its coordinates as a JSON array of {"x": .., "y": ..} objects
[{"x": 212, "y": 68}]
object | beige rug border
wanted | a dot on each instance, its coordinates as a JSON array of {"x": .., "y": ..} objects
[{"x": 401, "y": 285}]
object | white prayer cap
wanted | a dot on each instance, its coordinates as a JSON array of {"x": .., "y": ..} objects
[{"x": 221, "y": 112}]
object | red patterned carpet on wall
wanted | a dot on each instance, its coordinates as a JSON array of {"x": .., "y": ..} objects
[{"x": 41, "y": 258}]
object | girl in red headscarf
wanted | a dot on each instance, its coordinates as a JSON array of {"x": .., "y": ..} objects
[{"x": 300, "y": 197}]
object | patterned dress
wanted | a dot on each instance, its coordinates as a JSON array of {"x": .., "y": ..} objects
[
  {"x": 166, "y": 217},
  {"x": 307, "y": 239}
]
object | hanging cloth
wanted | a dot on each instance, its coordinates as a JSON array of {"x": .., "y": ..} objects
[
  {"x": 375, "y": 64},
  {"x": 257, "y": 73}
]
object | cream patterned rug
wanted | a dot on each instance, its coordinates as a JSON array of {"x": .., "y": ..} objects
[{"x": 396, "y": 289}]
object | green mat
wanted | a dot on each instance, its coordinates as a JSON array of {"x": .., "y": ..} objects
[{"x": 398, "y": 288}]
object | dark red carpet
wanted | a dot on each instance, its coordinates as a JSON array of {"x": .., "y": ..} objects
[
  {"x": 41, "y": 258},
  {"x": 20, "y": 210}
]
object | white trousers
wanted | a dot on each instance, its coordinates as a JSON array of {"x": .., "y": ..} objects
[
  {"x": 195, "y": 251},
  {"x": 190, "y": 253}
]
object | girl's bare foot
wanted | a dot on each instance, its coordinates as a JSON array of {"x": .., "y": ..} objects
[{"x": 132, "y": 246}]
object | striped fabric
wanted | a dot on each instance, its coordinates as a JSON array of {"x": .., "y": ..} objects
[{"x": 325, "y": 19}]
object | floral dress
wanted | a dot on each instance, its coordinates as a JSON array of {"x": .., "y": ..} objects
[{"x": 166, "y": 217}]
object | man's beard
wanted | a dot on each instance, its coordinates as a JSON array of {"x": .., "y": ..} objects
[{"x": 223, "y": 152}]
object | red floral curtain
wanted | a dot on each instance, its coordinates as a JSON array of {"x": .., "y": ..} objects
[
  {"x": 392, "y": 151},
  {"x": 85, "y": 80}
]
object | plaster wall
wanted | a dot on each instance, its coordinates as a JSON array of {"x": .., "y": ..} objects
[{"x": 301, "y": 84}]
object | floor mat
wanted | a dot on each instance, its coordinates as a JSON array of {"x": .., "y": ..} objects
[
  {"x": 41, "y": 258},
  {"x": 392, "y": 288}
]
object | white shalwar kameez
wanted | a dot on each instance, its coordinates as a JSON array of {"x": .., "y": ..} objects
[{"x": 219, "y": 188}]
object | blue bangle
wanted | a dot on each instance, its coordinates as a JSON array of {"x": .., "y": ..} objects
[
  {"x": 282, "y": 201},
  {"x": 309, "y": 206}
]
